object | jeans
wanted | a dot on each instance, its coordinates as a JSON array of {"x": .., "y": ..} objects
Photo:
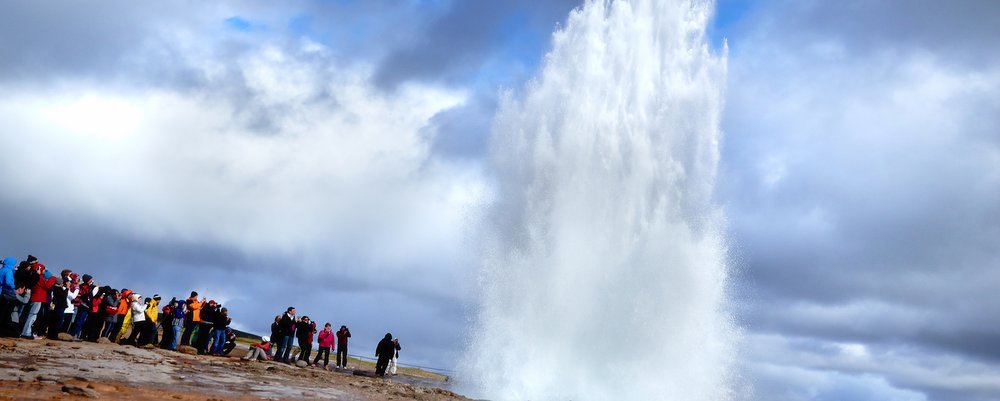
[
  {"x": 188, "y": 330},
  {"x": 218, "y": 340},
  {"x": 81, "y": 318},
  {"x": 32, "y": 314},
  {"x": 284, "y": 348},
  {"x": 177, "y": 337}
]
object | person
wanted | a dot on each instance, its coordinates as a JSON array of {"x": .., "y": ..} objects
[
  {"x": 342, "y": 335},
  {"x": 260, "y": 351},
  {"x": 304, "y": 330},
  {"x": 384, "y": 352},
  {"x": 325, "y": 340},
  {"x": 25, "y": 278},
  {"x": 205, "y": 327},
  {"x": 72, "y": 303},
  {"x": 287, "y": 330},
  {"x": 230, "y": 342},
  {"x": 138, "y": 315},
  {"x": 275, "y": 328},
  {"x": 149, "y": 334},
  {"x": 61, "y": 301},
  {"x": 85, "y": 305},
  {"x": 193, "y": 306},
  {"x": 124, "y": 320},
  {"x": 179, "y": 313},
  {"x": 8, "y": 296},
  {"x": 109, "y": 305},
  {"x": 395, "y": 358},
  {"x": 39, "y": 296},
  {"x": 220, "y": 323}
]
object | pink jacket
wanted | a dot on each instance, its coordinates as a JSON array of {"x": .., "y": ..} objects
[{"x": 326, "y": 338}]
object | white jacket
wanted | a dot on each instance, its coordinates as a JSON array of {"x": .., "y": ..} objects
[
  {"x": 70, "y": 296},
  {"x": 138, "y": 312}
]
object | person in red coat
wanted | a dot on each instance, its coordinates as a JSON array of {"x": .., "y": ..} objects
[
  {"x": 326, "y": 338},
  {"x": 39, "y": 297}
]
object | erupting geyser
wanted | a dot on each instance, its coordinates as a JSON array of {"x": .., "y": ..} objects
[{"x": 606, "y": 272}]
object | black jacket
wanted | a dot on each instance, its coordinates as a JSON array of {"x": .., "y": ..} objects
[
  {"x": 385, "y": 348},
  {"x": 286, "y": 325},
  {"x": 221, "y": 320}
]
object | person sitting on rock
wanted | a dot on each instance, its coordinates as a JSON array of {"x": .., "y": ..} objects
[{"x": 260, "y": 351}]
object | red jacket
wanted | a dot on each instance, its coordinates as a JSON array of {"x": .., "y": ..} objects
[
  {"x": 326, "y": 338},
  {"x": 41, "y": 291}
]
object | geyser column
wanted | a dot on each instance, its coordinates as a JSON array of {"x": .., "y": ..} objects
[{"x": 606, "y": 272}]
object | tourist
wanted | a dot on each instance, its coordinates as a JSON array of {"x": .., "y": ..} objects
[
  {"x": 208, "y": 313},
  {"x": 230, "y": 342},
  {"x": 138, "y": 315},
  {"x": 72, "y": 303},
  {"x": 287, "y": 331},
  {"x": 39, "y": 297},
  {"x": 8, "y": 296},
  {"x": 179, "y": 314},
  {"x": 124, "y": 320},
  {"x": 85, "y": 305},
  {"x": 395, "y": 358},
  {"x": 221, "y": 322},
  {"x": 276, "y": 328},
  {"x": 342, "y": 335},
  {"x": 109, "y": 305},
  {"x": 193, "y": 306},
  {"x": 325, "y": 340},
  {"x": 385, "y": 351},
  {"x": 260, "y": 351},
  {"x": 61, "y": 301},
  {"x": 149, "y": 335},
  {"x": 304, "y": 331}
]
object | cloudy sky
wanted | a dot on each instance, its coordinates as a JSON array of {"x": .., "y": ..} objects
[{"x": 333, "y": 156}]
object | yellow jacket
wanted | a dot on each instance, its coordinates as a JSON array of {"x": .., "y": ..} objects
[{"x": 153, "y": 311}]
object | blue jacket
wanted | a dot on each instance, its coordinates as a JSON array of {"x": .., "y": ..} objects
[{"x": 7, "y": 273}]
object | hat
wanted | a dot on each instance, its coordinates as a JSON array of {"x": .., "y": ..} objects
[
  {"x": 156, "y": 297},
  {"x": 211, "y": 302},
  {"x": 31, "y": 258},
  {"x": 73, "y": 276},
  {"x": 265, "y": 339},
  {"x": 87, "y": 277},
  {"x": 136, "y": 297}
]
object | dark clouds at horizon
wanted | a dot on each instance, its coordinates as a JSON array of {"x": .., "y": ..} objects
[{"x": 860, "y": 170}]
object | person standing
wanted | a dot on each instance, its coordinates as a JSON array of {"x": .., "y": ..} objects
[
  {"x": 221, "y": 321},
  {"x": 138, "y": 315},
  {"x": 8, "y": 295},
  {"x": 205, "y": 327},
  {"x": 179, "y": 313},
  {"x": 325, "y": 340},
  {"x": 85, "y": 302},
  {"x": 193, "y": 306},
  {"x": 395, "y": 358},
  {"x": 286, "y": 326},
  {"x": 384, "y": 352},
  {"x": 305, "y": 329},
  {"x": 39, "y": 296},
  {"x": 342, "y": 335}
]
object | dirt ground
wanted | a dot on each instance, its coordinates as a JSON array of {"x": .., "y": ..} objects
[{"x": 55, "y": 370}]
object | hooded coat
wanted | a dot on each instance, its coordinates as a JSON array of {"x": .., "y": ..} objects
[{"x": 7, "y": 274}]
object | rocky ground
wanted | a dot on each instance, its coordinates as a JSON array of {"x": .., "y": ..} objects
[{"x": 47, "y": 370}]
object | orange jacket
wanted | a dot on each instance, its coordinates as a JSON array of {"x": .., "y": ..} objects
[
  {"x": 124, "y": 306},
  {"x": 194, "y": 308}
]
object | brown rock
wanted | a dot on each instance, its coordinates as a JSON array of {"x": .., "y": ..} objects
[
  {"x": 187, "y": 349},
  {"x": 103, "y": 340},
  {"x": 79, "y": 391},
  {"x": 65, "y": 337}
]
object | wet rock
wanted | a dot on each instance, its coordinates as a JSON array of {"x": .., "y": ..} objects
[
  {"x": 364, "y": 373},
  {"x": 64, "y": 337},
  {"x": 46, "y": 378},
  {"x": 79, "y": 391},
  {"x": 272, "y": 368}
]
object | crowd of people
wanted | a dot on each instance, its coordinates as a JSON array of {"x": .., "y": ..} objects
[{"x": 36, "y": 304}]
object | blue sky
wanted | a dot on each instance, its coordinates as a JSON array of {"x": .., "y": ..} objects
[{"x": 333, "y": 156}]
